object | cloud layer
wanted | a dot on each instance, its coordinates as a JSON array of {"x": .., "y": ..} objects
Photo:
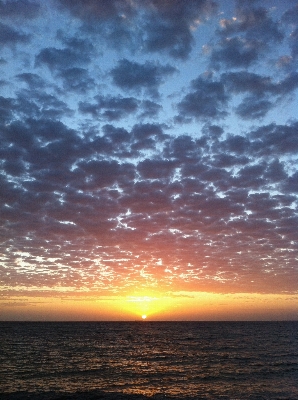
[{"x": 148, "y": 144}]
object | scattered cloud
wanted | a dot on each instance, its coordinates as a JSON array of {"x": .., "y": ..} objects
[
  {"x": 130, "y": 159},
  {"x": 133, "y": 76},
  {"x": 10, "y": 36}
]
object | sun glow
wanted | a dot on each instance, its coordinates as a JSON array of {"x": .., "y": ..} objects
[{"x": 149, "y": 304}]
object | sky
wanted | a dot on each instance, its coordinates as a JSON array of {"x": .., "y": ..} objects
[{"x": 148, "y": 159}]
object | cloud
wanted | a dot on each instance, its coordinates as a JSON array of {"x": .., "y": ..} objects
[
  {"x": 235, "y": 53},
  {"x": 118, "y": 173},
  {"x": 244, "y": 81},
  {"x": 289, "y": 21},
  {"x": 101, "y": 173},
  {"x": 276, "y": 139},
  {"x": 77, "y": 80},
  {"x": 154, "y": 169},
  {"x": 147, "y": 136},
  {"x": 19, "y": 9},
  {"x": 291, "y": 184},
  {"x": 206, "y": 99},
  {"x": 94, "y": 10},
  {"x": 35, "y": 102},
  {"x": 116, "y": 135},
  {"x": 150, "y": 109},
  {"x": 291, "y": 15},
  {"x": 142, "y": 131},
  {"x": 253, "y": 107},
  {"x": 168, "y": 28},
  {"x": 247, "y": 82},
  {"x": 229, "y": 160},
  {"x": 110, "y": 108},
  {"x": 255, "y": 23},
  {"x": 10, "y": 36},
  {"x": 162, "y": 26},
  {"x": 58, "y": 58},
  {"x": 6, "y": 108},
  {"x": 245, "y": 37},
  {"x": 164, "y": 213},
  {"x": 34, "y": 81},
  {"x": 261, "y": 89},
  {"x": 182, "y": 148},
  {"x": 133, "y": 76},
  {"x": 78, "y": 52}
]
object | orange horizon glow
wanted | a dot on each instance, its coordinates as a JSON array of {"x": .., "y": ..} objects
[{"x": 181, "y": 306}]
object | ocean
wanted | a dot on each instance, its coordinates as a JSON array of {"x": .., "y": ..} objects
[{"x": 137, "y": 360}]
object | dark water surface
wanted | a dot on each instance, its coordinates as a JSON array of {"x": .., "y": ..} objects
[{"x": 203, "y": 360}]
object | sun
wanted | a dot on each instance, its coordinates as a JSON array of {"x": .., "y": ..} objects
[{"x": 144, "y": 316}]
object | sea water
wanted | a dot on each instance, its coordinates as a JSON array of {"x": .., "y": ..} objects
[{"x": 203, "y": 360}]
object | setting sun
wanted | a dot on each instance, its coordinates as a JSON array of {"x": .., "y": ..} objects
[{"x": 144, "y": 316}]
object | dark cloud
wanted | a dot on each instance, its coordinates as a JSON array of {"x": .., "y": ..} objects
[
  {"x": 142, "y": 131},
  {"x": 103, "y": 173},
  {"x": 254, "y": 22},
  {"x": 6, "y": 108},
  {"x": 252, "y": 107},
  {"x": 207, "y": 99},
  {"x": 110, "y": 108},
  {"x": 130, "y": 75},
  {"x": 163, "y": 26},
  {"x": 214, "y": 131},
  {"x": 229, "y": 160},
  {"x": 56, "y": 58},
  {"x": 236, "y": 53},
  {"x": 168, "y": 27},
  {"x": 237, "y": 144},
  {"x": 183, "y": 148},
  {"x": 10, "y": 36},
  {"x": 78, "y": 44},
  {"x": 293, "y": 43},
  {"x": 291, "y": 15},
  {"x": 34, "y": 81},
  {"x": 262, "y": 90},
  {"x": 155, "y": 169},
  {"x": 290, "y": 21},
  {"x": 275, "y": 171},
  {"x": 77, "y": 80},
  {"x": 267, "y": 140},
  {"x": 147, "y": 136},
  {"x": 291, "y": 184},
  {"x": 287, "y": 85},
  {"x": 276, "y": 139},
  {"x": 245, "y": 37},
  {"x": 37, "y": 103},
  {"x": 111, "y": 20},
  {"x": 77, "y": 52},
  {"x": 243, "y": 82},
  {"x": 117, "y": 135},
  {"x": 150, "y": 109},
  {"x": 19, "y": 9},
  {"x": 251, "y": 176},
  {"x": 93, "y": 10}
]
